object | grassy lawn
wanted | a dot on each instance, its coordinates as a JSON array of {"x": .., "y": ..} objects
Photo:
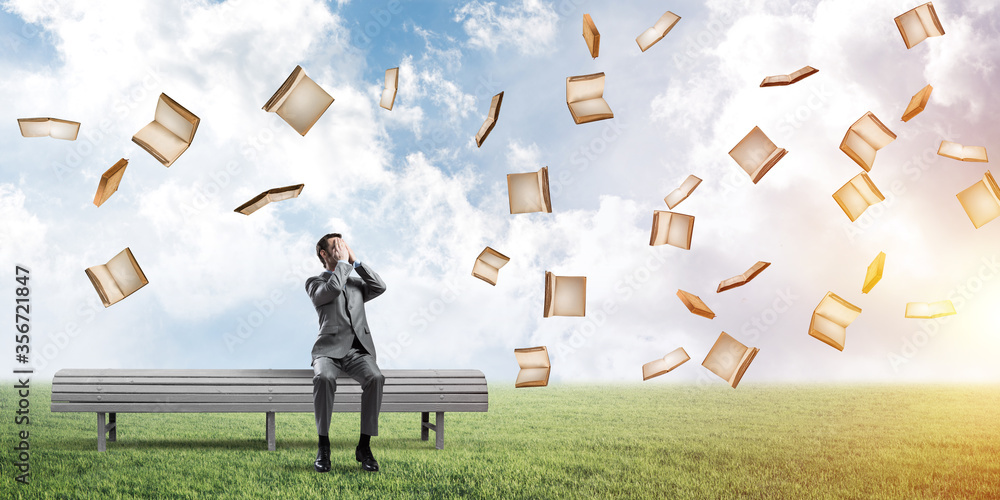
[{"x": 563, "y": 441}]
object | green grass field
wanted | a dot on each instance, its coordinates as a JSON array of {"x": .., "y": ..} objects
[{"x": 562, "y": 441}]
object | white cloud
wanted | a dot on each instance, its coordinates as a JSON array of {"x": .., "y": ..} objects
[{"x": 529, "y": 26}]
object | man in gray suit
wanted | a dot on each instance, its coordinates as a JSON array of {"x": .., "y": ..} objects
[{"x": 344, "y": 343}]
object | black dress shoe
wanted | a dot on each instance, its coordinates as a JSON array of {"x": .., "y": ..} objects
[
  {"x": 322, "y": 463},
  {"x": 366, "y": 458}
]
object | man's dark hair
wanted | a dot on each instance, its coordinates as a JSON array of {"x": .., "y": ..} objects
[{"x": 324, "y": 244}]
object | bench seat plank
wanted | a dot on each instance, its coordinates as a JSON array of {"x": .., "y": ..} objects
[
  {"x": 252, "y": 398},
  {"x": 259, "y": 389},
  {"x": 256, "y": 381},
  {"x": 258, "y": 407},
  {"x": 271, "y": 372}
]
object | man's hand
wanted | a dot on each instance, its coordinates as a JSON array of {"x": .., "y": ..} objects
[
  {"x": 350, "y": 254},
  {"x": 339, "y": 251}
]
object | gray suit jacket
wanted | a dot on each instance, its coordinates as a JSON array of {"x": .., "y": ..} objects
[{"x": 335, "y": 294}]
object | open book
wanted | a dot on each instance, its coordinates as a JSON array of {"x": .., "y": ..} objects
[
  {"x": 658, "y": 31},
  {"x": 271, "y": 195},
  {"x": 831, "y": 318},
  {"x": 488, "y": 264},
  {"x": 929, "y": 310},
  {"x": 874, "y": 273},
  {"x": 957, "y": 151},
  {"x": 118, "y": 278},
  {"x": 389, "y": 92},
  {"x": 742, "y": 279},
  {"x": 529, "y": 192},
  {"x": 919, "y": 23},
  {"x": 592, "y": 36},
  {"x": 299, "y": 101},
  {"x": 857, "y": 195},
  {"x": 756, "y": 154},
  {"x": 671, "y": 228},
  {"x": 695, "y": 304},
  {"x": 565, "y": 295},
  {"x": 49, "y": 127},
  {"x": 109, "y": 182},
  {"x": 917, "y": 103},
  {"x": 680, "y": 194},
  {"x": 491, "y": 119},
  {"x": 864, "y": 138},
  {"x": 729, "y": 359},
  {"x": 585, "y": 98},
  {"x": 170, "y": 133},
  {"x": 776, "y": 80},
  {"x": 981, "y": 200},
  {"x": 535, "y": 367},
  {"x": 658, "y": 367}
]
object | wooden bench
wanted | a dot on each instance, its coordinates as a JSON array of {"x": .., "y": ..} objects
[{"x": 113, "y": 391}]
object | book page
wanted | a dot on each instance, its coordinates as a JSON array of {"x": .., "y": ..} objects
[
  {"x": 175, "y": 120},
  {"x": 828, "y": 331},
  {"x": 858, "y": 149},
  {"x": 837, "y": 310},
  {"x": 523, "y": 193},
  {"x": 911, "y": 28},
  {"x": 647, "y": 38},
  {"x": 107, "y": 282},
  {"x": 34, "y": 127},
  {"x": 162, "y": 141},
  {"x": 666, "y": 23},
  {"x": 532, "y": 377},
  {"x": 532, "y": 357},
  {"x": 493, "y": 258},
  {"x": 254, "y": 204},
  {"x": 570, "y": 296},
  {"x": 929, "y": 20},
  {"x": 680, "y": 194},
  {"x": 873, "y": 131},
  {"x": 584, "y": 87},
  {"x": 679, "y": 230},
  {"x": 924, "y": 310},
  {"x": 304, "y": 104},
  {"x": 981, "y": 201},
  {"x": 125, "y": 274},
  {"x": 590, "y": 108},
  {"x": 485, "y": 272},
  {"x": 725, "y": 356},
  {"x": 753, "y": 151},
  {"x": 666, "y": 364}
]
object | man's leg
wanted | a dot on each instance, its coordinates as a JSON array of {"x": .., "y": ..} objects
[
  {"x": 361, "y": 367},
  {"x": 325, "y": 374}
]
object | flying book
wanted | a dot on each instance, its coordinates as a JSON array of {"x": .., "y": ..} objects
[
  {"x": 929, "y": 310},
  {"x": 658, "y": 31},
  {"x": 658, "y": 367},
  {"x": 680, "y": 194},
  {"x": 776, "y": 80},
  {"x": 585, "y": 98},
  {"x": 742, "y": 279},
  {"x": 118, "y": 278},
  {"x": 831, "y": 318},
  {"x": 671, "y": 228},
  {"x": 491, "y": 119},
  {"x": 957, "y": 151},
  {"x": 389, "y": 92},
  {"x": 592, "y": 36},
  {"x": 917, "y": 103},
  {"x": 756, "y": 154},
  {"x": 729, "y": 359},
  {"x": 529, "y": 192},
  {"x": 864, "y": 138},
  {"x": 299, "y": 101},
  {"x": 170, "y": 133},
  {"x": 695, "y": 304},
  {"x": 874, "y": 273},
  {"x": 49, "y": 127},
  {"x": 981, "y": 200},
  {"x": 918, "y": 24},
  {"x": 488, "y": 264},
  {"x": 565, "y": 295},
  {"x": 271, "y": 195},
  {"x": 857, "y": 195},
  {"x": 109, "y": 182},
  {"x": 535, "y": 367}
]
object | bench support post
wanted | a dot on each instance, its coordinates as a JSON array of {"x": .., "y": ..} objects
[
  {"x": 112, "y": 427},
  {"x": 437, "y": 427},
  {"x": 103, "y": 429},
  {"x": 269, "y": 431}
]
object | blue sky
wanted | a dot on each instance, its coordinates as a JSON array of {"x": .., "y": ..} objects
[{"x": 418, "y": 200}]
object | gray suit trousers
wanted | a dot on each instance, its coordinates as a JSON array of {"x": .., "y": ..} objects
[{"x": 358, "y": 365}]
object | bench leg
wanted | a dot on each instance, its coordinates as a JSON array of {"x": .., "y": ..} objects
[
  {"x": 270, "y": 431},
  {"x": 423, "y": 425},
  {"x": 101, "y": 446},
  {"x": 439, "y": 430},
  {"x": 112, "y": 427}
]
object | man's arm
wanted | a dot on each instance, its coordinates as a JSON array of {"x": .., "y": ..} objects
[
  {"x": 374, "y": 286},
  {"x": 324, "y": 291}
]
